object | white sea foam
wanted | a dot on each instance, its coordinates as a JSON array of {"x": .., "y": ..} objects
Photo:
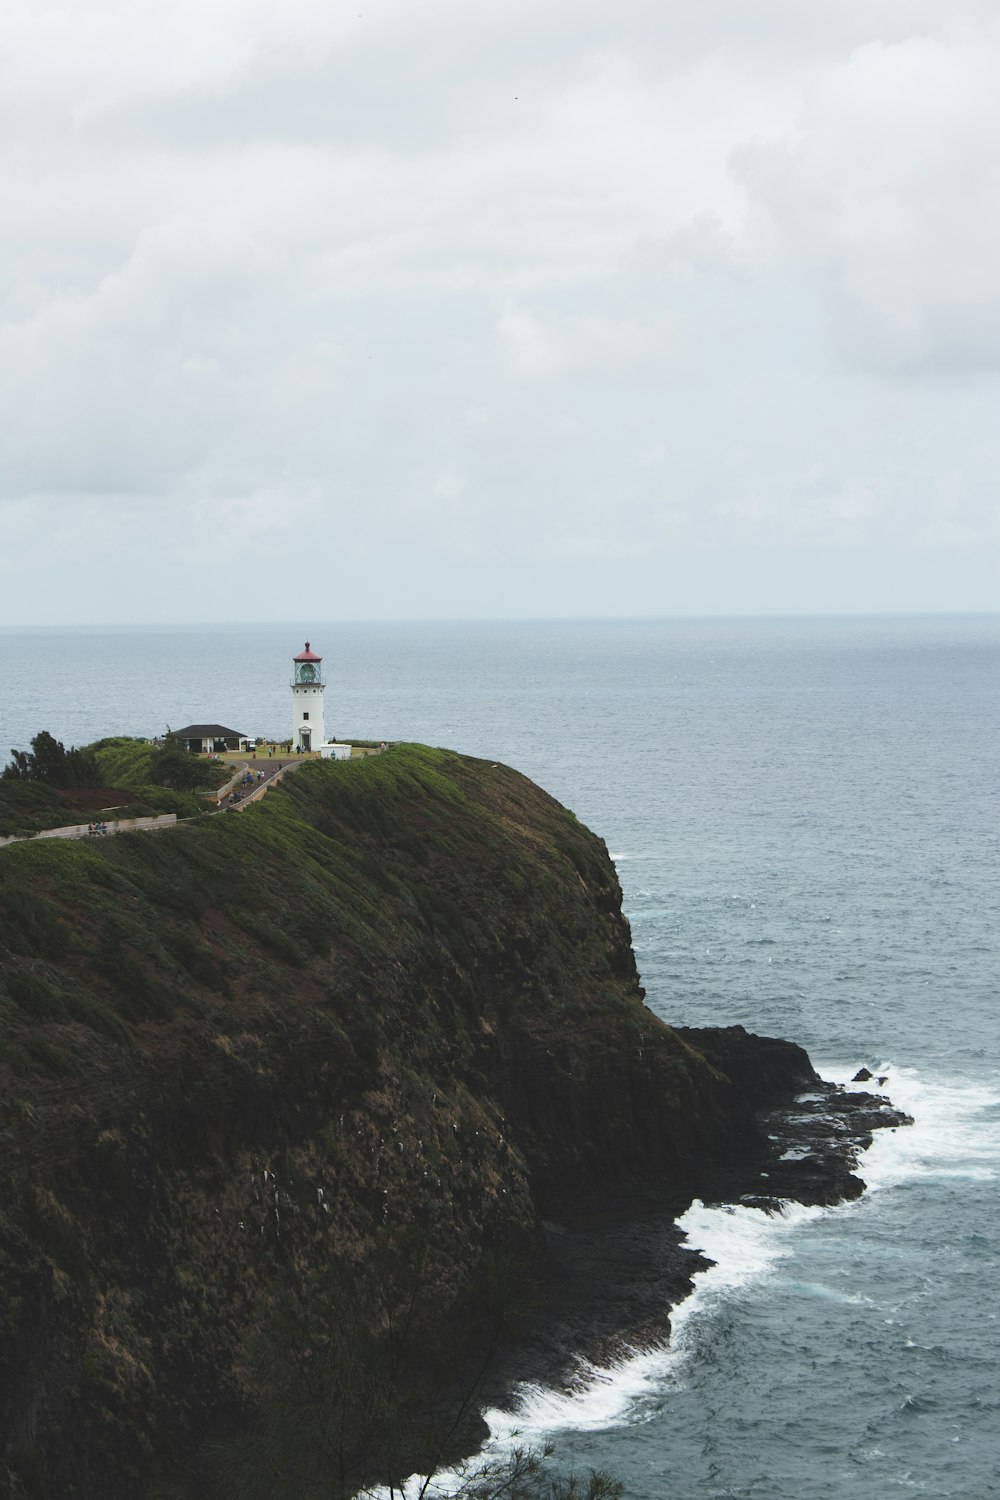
[
  {"x": 745, "y": 1245},
  {"x": 952, "y": 1135},
  {"x": 600, "y": 1398},
  {"x": 620, "y": 857},
  {"x": 956, "y": 1132}
]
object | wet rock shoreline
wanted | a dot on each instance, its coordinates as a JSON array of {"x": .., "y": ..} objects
[{"x": 611, "y": 1273}]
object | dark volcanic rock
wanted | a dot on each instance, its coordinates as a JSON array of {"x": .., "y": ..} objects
[
  {"x": 816, "y": 1140},
  {"x": 611, "y": 1278},
  {"x": 814, "y": 1131},
  {"x": 605, "y": 1289},
  {"x": 394, "y": 1003},
  {"x": 762, "y": 1068}
]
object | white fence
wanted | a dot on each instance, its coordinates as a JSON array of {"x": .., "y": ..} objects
[{"x": 83, "y": 830}]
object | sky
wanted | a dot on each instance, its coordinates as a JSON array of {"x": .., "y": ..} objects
[{"x": 490, "y": 308}]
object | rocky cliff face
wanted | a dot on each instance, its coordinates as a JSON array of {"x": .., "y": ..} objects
[{"x": 396, "y": 999}]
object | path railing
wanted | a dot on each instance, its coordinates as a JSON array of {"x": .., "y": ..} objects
[
  {"x": 259, "y": 791},
  {"x": 168, "y": 820},
  {"x": 217, "y": 793},
  {"x": 88, "y": 830}
]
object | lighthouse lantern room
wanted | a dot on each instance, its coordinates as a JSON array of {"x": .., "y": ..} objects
[{"x": 308, "y": 731}]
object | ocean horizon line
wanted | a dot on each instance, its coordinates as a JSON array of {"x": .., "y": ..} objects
[{"x": 152, "y": 627}]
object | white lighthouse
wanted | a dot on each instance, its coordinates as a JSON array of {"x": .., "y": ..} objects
[{"x": 308, "y": 731}]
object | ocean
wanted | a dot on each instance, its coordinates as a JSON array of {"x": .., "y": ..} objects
[{"x": 803, "y": 814}]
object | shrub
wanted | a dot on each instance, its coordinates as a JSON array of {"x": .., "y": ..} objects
[{"x": 50, "y": 762}]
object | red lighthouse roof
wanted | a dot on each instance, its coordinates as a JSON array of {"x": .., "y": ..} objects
[{"x": 307, "y": 655}]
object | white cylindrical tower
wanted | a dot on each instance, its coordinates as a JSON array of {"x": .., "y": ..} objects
[{"x": 308, "y": 729}]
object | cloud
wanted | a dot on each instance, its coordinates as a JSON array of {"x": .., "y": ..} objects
[
  {"x": 885, "y": 197},
  {"x": 537, "y": 348},
  {"x": 125, "y": 387},
  {"x": 518, "y": 281}
]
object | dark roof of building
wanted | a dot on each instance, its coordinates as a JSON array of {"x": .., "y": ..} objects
[
  {"x": 206, "y": 732},
  {"x": 307, "y": 655}
]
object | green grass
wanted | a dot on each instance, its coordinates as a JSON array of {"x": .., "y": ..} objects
[
  {"x": 417, "y": 857},
  {"x": 126, "y": 768},
  {"x": 28, "y": 807},
  {"x": 124, "y": 761},
  {"x": 401, "y": 984},
  {"x": 421, "y": 900}
]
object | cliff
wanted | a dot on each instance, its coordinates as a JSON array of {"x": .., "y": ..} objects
[{"x": 394, "y": 1004}]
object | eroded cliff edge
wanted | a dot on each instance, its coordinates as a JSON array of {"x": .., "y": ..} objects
[{"x": 396, "y": 999}]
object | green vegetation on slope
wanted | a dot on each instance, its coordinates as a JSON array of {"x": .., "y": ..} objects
[
  {"x": 49, "y": 761},
  {"x": 51, "y": 787},
  {"x": 397, "y": 998},
  {"x": 148, "y": 768},
  {"x": 124, "y": 761}
]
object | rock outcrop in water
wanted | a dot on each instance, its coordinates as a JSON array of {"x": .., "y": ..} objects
[{"x": 395, "y": 1002}]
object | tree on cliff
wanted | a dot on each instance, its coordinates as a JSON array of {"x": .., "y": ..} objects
[
  {"x": 183, "y": 772},
  {"x": 523, "y": 1474},
  {"x": 49, "y": 761}
]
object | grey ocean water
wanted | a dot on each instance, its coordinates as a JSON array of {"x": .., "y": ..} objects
[{"x": 804, "y": 818}]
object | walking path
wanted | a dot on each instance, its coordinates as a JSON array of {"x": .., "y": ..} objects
[
  {"x": 264, "y": 771},
  {"x": 271, "y": 769},
  {"x": 234, "y": 796},
  {"x": 94, "y": 830}
]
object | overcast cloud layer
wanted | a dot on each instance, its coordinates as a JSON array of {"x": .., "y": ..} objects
[{"x": 462, "y": 307}]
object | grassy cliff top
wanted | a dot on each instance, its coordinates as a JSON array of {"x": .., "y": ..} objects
[
  {"x": 346, "y": 862},
  {"x": 394, "y": 999},
  {"x": 127, "y": 778}
]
